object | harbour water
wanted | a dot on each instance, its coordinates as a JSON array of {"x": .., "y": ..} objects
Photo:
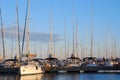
[{"x": 63, "y": 76}]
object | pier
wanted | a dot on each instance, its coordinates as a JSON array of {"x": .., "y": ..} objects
[{"x": 87, "y": 68}]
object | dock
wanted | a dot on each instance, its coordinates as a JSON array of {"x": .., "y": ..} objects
[{"x": 87, "y": 68}]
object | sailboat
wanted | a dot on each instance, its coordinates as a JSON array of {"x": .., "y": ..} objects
[
  {"x": 74, "y": 60},
  {"x": 51, "y": 60},
  {"x": 7, "y": 65},
  {"x": 30, "y": 66}
]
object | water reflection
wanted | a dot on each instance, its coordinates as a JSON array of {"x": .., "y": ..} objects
[
  {"x": 63, "y": 76},
  {"x": 32, "y": 77}
]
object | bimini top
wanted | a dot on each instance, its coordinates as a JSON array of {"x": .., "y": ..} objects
[
  {"x": 11, "y": 60},
  {"x": 89, "y": 58},
  {"x": 51, "y": 57}
]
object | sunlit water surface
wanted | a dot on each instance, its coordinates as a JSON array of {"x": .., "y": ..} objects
[{"x": 63, "y": 76}]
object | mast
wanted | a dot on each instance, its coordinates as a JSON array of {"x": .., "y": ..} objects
[
  {"x": 115, "y": 50},
  {"x": 77, "y": 36},
  {"x": 12, "y": 33},
  {"x": 82, "y": 55},
  {"x": 50, "y": 44},
  {"x": 48, "y": 49},
  {"x": 61, "y": 49},
  {"x": 28, "y": 30},
  {"x": 54, "y": 47},
  {"x": 41, "y": 51},
  {"x": 18, "y": 28},
  {"x": 26, "y": 17},
  {"x": 106, "y": 51},
  {"x": 98, "y": 49},
  {"x": 65, "y": 36},
  {"x": 86, "y": 42},
  {"x": 68, "y": 46},
  {"x": 73, "y": 29},
  {"x": 2, "y": 34},
  {"x": 91, "y": 54},
  {"x": 91, "y": 43}
]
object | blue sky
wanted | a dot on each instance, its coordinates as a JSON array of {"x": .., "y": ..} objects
[{"x": 105, "y": 13}]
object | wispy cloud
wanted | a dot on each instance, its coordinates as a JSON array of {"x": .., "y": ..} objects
[
  {"x": 11, "y": 32},
  {"x": 44, "y": 37}
]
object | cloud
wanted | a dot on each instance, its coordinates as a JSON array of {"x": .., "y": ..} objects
[
  {"x": 11, "y": 32},
  {"x": 44, "y": 37}
]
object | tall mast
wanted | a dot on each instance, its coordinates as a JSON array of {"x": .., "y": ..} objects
[
  {"x": 86, "y": 42},
  {"x": 115, "y": 52},
  {"x": 18, "y": 28},
  {"x": 2, "y": 34},
  {"x": 65, "y": 36},
  {"x": 68, "y": 47},
  {"x": 61, "y": 49},
  {"x": 106, "y": 51},
  {"x": 12, "y": 41},
  {"x": 28, "y": 30},
  {"x": 91, "y": 54},
  {"x": 98, "y": 49},
  {"x": 48, "y": 50},
  {"x": 54, "y": 47},
  {"x": 77, "y": 36},
  {"x": 41, "y": 50},
  {"x": 26, "y": 17},
  {"x": 50, "y": 44},
  {"x": 73, "y": 29},
  {"x": 82, "y": 55}
]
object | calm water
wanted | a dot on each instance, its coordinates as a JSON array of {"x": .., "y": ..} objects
[{"x": 64, "y": 76}]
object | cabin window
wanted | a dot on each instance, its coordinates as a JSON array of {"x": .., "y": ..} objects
[{"x": 36, "y": 67}]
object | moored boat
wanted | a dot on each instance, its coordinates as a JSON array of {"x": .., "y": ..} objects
[{"x": 51, "y": 63}]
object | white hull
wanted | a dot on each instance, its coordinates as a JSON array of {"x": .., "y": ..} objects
[
  {"x": 72, "y": 65},
  {"x": 30, "y": 69}
]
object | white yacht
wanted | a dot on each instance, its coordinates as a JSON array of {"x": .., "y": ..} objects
[{"x": 31, "y": 67}]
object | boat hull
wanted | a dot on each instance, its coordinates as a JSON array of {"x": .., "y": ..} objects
[
  {"x": 28, "y": 69},
  {"x": 9, "y": 70}
]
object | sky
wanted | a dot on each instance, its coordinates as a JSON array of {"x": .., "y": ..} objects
[{"x": 102, "y": 15}]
